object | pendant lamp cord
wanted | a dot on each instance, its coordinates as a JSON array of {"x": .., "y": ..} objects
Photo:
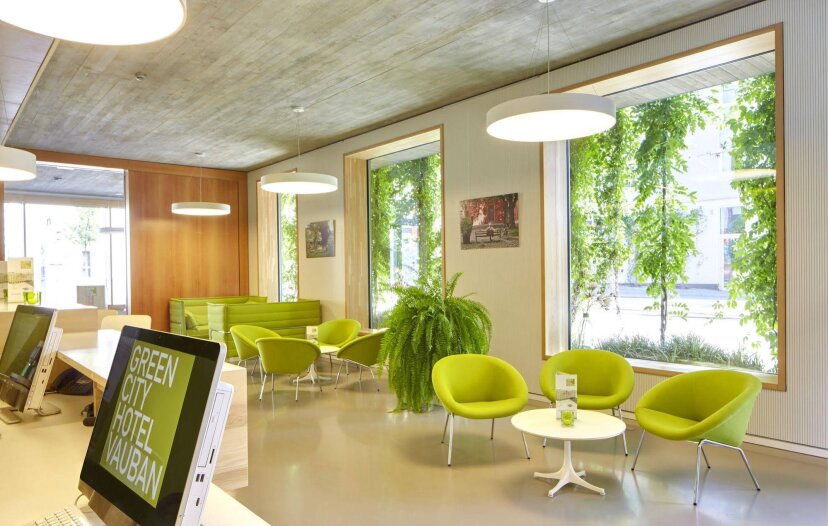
[
  {"x": 5, "y": 113},
  {"x": 298, "y": 138},
  {"x": 548, "y": 47}
]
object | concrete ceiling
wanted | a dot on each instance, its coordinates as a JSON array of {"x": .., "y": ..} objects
[
  {"x": 224, "y": 84},
  {"x": 21, "y": 54}
]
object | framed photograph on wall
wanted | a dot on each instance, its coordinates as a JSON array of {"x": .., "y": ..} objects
[
  {"x": 320, "y": 239},
  {"x": 490, "y": 222}
]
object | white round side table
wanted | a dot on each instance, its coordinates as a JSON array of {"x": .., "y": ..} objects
[{"x": 590, "y": 425}]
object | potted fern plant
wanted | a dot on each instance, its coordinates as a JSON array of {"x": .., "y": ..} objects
[{"x": 427, "y": 324}]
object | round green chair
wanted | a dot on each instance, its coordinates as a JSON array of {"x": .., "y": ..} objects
[
  {"x": 363, "y": 353},
  {"x": 705, "y": 407},
  {"x": 478, "y": 387},
  {"x": 291, "y": 356},
  {"x": 336, "y": 333},
  {"x": 605, "y": 379},
  {"x": 245, "y": 336}
]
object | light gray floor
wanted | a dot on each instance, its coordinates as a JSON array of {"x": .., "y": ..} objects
[{"x": 340, "y": 457}]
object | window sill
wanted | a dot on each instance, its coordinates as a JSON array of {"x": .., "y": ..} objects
[{"x": 769, "y": 381}]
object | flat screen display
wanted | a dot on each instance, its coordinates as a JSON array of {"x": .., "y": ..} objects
[
  {"x": 145, "y": 437},
  {"x": 26, "y": 338}
]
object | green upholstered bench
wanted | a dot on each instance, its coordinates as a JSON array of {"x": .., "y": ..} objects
[
  {"x": 287, "y": 319},
  {"x": 188, "y": 316}
]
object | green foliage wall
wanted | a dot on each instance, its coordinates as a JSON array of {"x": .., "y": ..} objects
[{"x": 405, "y": 193}]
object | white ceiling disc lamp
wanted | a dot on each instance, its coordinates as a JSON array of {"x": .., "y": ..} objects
[
  {"x": 17, "y": 165},
  {"x": 200, "y": 208},
  {"x": 100, "y": 22},
  {"x": 551, "y": 116},
  {"x": 299, "y": 182}
]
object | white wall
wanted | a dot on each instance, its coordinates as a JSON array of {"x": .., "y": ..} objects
[{"x": 508, "y": 281}]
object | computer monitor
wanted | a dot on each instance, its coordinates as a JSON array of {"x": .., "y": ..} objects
[
  {"x": 152, "y": 422},
  {"x": 27, "y": 342}
]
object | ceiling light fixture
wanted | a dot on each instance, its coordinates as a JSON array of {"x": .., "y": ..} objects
[
  {"x": 200, "y": 208},
  {"x": 552, "y": 116},
  {"x": 15, "y": 165},
  {"x": 299, "y": 182},
  {"x": 100, "y": 22}
]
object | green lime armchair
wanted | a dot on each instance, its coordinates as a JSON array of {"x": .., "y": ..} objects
[
  {"x": 289, "y": 356},
  {"x": 605, "y": 379},
  {"x": 361, "y": 352},
  {"x": 338, "y": 332},
  {"x": 707, "y": 407},
  {"x": 245, "y": 336},
  {"x": 478, "y": 387}
]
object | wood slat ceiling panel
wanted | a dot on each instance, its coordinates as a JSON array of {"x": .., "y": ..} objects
[{"x": 225, "y": 83}]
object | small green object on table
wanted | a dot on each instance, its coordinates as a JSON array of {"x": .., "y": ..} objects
[
  {"x": 567, "y": 418},
  {"x": 32, "y": 298}
]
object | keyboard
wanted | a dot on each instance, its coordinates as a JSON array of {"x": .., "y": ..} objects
[{"x": 66, "y": 517}]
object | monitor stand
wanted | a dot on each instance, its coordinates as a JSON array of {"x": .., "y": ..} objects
[{"x": 8, "y": 416}]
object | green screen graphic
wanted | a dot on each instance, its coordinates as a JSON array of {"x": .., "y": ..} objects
[{"x": 146, "y": 415}]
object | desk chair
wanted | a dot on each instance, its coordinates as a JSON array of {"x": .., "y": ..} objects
[
  {"x": 245, "y": 336},
  {"x": 142, "y": 321}
]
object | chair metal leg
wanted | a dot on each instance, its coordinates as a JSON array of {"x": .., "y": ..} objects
[
  {"x": 264, "y": 381},
  {"x": 750, "y": 471},
  {"x": 443, "y": 440},
  {"x": 624, "y": 434},
  {"x": 491, "y": 437},
  {"x": 272, "y": 382},
  {"x": 705, "y": 457},
  {"x": 330, "y": 361},
  {"x": 544, "y": 442},
  {"x": 698, "y": 470},
  {"x": 296, "y": 398},
  {"x": 638, "y": 449},
  {"x": 337, "y": 374},
  {"x": 451, "y": 436},
  {"x": 526, "y": 446},
  {"x": 360, "y": 377},
  {"x": 375, "y": 378}
]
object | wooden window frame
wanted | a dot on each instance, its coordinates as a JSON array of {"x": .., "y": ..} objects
[{"x": 742, "y": 46}]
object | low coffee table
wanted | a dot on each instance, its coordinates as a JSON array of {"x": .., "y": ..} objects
[{"x": 590, "y": 425}]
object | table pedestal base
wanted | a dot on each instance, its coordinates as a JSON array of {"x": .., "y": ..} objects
[{"x": 567, "y": 474}]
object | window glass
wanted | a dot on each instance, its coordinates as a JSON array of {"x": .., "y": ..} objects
[
  {"x": 288, "y": 257},
  {"x": 405, "y": 223},
  {"x": 673, "y": 223}
]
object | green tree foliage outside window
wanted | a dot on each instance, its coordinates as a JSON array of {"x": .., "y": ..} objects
[
  {"x": 288, "y": 260},
  {"x": 403, "y": 196},
  {"x": 629, "y": 211},
  {"x": 754, "y": 252}
]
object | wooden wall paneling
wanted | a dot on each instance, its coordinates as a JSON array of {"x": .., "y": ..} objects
[
  {"x": 241, "y": 236},
  {"x": 218, "y": 242},
  {"x": 356, "y": 239},
  {"x": 164, "y": 254}
]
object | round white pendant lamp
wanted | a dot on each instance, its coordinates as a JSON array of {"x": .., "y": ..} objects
[
  {"x": 552, "y": 116},
  {"x": 17, "y": 165},
  {"x": 298, "y": 182},
  {"x": 200, "y": 208},
  {"x": 100, "y": 22}
]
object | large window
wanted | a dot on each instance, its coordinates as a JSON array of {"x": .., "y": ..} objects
[
  {"x": 75, "y": 234},
  {"x": 288, "y": 257},
  {"x": 405, "y": 223},
  {"x": 674, "y": 245}
]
